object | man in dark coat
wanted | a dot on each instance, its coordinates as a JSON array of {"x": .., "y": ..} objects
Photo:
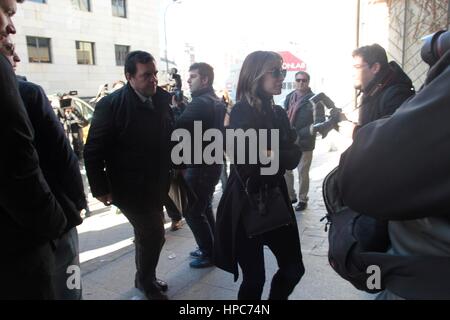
[
  {"x": 127, "y": 159},
  {"x": 300, "y": 114},
  {"x": 30, "y": 216},
  {"x": 201, "y": 178},
  {"x": 398, "y": 170},
  {"x": 384, "y": 85},
  {"x": 61, "y": 171}
]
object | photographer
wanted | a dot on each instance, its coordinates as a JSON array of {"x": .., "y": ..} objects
[{"x": 398, "y": 170}]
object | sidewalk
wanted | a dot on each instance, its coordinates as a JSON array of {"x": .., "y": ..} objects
[{"x": 107, "y": 252}]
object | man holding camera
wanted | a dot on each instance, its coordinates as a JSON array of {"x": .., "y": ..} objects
[
  {"x": 300, "y": 114},
  {"x": 398, "y": 170}
]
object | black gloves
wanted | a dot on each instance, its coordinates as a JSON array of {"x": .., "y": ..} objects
[{"x": 325, "y": 127}]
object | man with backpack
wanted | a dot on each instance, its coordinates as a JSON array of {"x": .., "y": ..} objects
[{"x": 202, "y": 178}]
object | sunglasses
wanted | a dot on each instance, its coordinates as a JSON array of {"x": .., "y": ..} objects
[
  {"x": 301, "y": 80},
  {"x": 278, "y": 73}
]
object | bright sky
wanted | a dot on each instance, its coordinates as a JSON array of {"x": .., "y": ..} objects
[{"x": 320, "y": 32}]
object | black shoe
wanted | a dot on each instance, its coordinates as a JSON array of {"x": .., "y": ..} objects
[
  {"x": 158, "y": 284},
  {"x": 199, "y": 263},
  {"x": 162, "y": 285},
  {"x": 301, "y": 206},
  {"x": 294, "y": 201},
  {"x": 196, "y": 254},
  {"x": 156, "y": 295}
]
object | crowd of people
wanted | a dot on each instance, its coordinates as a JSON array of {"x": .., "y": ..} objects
[{"x": 396, "y": 170}]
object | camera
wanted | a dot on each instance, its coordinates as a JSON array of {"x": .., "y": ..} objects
[
  {"x": 321, "y": 102},
  {"x": 321, "y": 124},
  {"x": 178, "y": 94},
  {"x": 435, "y": 46}
]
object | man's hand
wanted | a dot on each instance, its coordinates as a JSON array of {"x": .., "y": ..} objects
[{"x": 106, "y": 199}]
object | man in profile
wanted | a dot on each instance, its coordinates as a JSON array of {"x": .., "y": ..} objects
[{"x": 30, "y": 216}]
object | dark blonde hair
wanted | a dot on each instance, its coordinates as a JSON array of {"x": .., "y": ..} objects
[{"x": 255, "y": 66}]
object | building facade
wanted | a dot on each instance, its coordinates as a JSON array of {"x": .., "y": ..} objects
[
  {"x": 404, "y": 24},
  {"x": 80, "y": 45}
]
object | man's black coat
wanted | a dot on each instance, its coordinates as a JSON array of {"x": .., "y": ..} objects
[{"x": 127, "y": 152}]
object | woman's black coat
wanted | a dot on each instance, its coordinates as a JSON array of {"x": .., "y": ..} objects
[{"x": 234, "y": 200}]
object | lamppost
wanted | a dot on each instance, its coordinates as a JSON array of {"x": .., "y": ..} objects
[{"x": 165, "y": 34}]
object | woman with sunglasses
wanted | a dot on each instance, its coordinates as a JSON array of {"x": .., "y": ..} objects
[{"x": 261, "y": 78}]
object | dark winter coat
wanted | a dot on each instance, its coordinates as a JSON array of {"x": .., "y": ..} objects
[
  {"x": 58, "y": 161},
  {"x": 397, "y": 169},
  {"x": 386, "y": 92},
  {"x": 127, "y": 152},
  {"x": 201, "y": 109},
  {"x": 30, "y": 215},
  {"x": 234, "y": 200},
  {"x": 302, "y": 122}
]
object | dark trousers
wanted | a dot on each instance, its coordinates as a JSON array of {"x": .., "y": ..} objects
[
  {"x": 285, "y": 245},
  {"x": 173, "y": 214},
  {"x": 224, "y": 174},
  {"x": 200, "y": 218},
  {"x": 28, "y": 275},
  {"x": 149, "y": 239},
  {"x": 67, "y": 267}
]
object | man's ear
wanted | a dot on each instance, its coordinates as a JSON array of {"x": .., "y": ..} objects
[
  {"x": 205, "y": 81},
  {"x": 128, "y": 76},
  {"x": 376, "y": 67}
]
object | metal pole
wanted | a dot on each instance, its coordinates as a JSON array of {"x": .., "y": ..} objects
[
  {"x": 165, "y": 34},
  {"x": 165, "y": 39},
  {"x": 405, "y": 30}
]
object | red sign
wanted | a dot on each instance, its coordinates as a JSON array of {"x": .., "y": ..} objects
[{"x": 291, "y": 62}]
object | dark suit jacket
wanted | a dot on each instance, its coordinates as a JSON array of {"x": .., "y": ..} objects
[
  {"x": 57, "y": 159},
  {"x": 29, "y": 212}
]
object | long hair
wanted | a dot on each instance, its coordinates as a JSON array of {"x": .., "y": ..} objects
[{"x": 255, "y": 65}]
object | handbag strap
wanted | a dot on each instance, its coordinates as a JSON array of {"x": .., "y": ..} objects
[{"x": 241, "y": 181}]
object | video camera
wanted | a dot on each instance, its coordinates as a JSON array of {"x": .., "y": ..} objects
[{"x": 435, "y": 46}]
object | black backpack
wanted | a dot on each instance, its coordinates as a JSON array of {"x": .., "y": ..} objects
[{"x": 350, "y": 236}]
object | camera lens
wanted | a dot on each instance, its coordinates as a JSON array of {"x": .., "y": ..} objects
[{"x": 435, "y": 46}]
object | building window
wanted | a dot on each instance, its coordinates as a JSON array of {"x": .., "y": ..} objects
[
  {"x": 39, "y": 1},
  {"x": 119, "y": 8},
  {"x": 39, "y": 50},
  {"x": 83, "y": 5},
  {"x": 85, "y": 52},
  {"x": 121, "y": 54}
]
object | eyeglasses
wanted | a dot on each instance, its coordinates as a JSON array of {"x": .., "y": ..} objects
[
  {"x": 302, "y": 80},
  {"x": 360, "y": 66},
  {"x": 278, "y": 73}
]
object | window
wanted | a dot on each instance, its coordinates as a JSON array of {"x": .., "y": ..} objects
[
  {"x": 38, "y": 1},
  {"x": 121, "y": 53},
  {"x": 83, "y": 5},
  {"x": 39, "y": 50},
  {"x": 119, "y": 8},
  {"x": 85, "y": 52}
]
